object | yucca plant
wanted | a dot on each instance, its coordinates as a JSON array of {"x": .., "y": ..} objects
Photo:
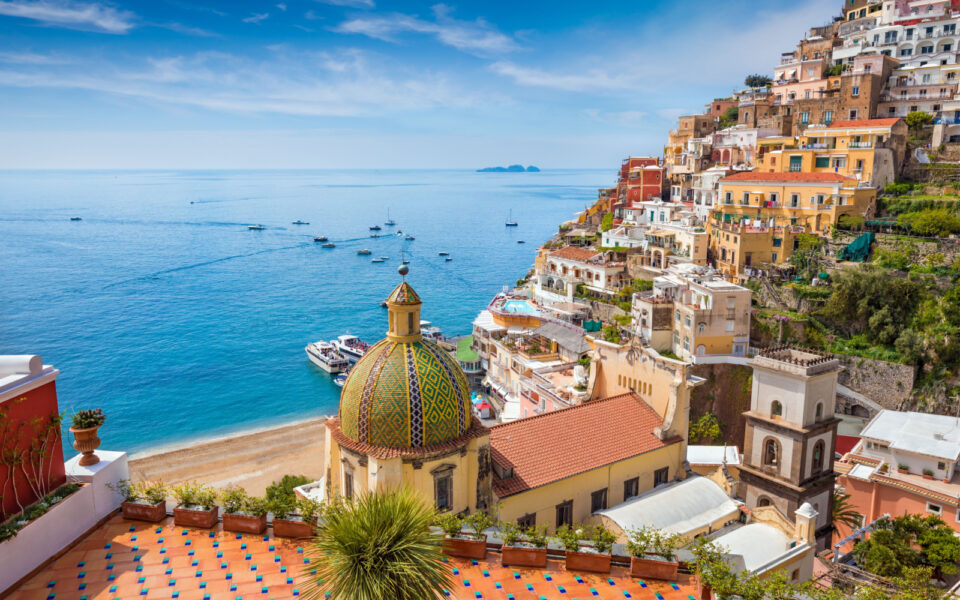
[{"x": 378, "y": 546}]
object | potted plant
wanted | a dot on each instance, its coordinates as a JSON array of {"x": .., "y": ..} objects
[
  {"x": 903, "y": 469},
  {"x": 196, "y": 505},
  {"x": 294, "y": 518},
  {"x": 595, "y": 558},
  {"x": 243, "y": 513},
  {"x": 884, "y": 468},
  {"x": 457, "y": 542},
  {"x": 523, "y": 548},
  {"x": 143, "y": 500},
  {"x": 84, "y": 426},
  {"x": 927, "y": 474},
  {"x": 652, "y": 554}
]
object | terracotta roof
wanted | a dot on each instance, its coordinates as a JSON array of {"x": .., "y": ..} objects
[
  {"x": 559, "y": 444},
  {"x": 476, "y": 430},
  {"x": 865, "y": 123},
  {"x": 787, "y": 177},
  {"x": 574, "y": 253}
]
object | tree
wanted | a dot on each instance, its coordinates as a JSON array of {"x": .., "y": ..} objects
[
  {"x": 730, "y": 117},
  {"x": 931, "y": 223},
  {"x": 607, "y": 223},
  {"x": 897, "y": 545},
  {"x": 918, "y": 119},
  {"x": 808, "y": 255},
  {"x": 705, "y": 430},
  {"x": 378, "y": 546},
  {"x": 757, "y": 81},
  {"x": 865, "y": 299},
  {"x": 844, "y": 513}
]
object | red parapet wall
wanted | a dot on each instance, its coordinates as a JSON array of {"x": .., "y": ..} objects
[{"x": 32, "y": 451}]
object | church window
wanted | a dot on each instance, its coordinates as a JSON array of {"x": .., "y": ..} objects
[
  {"x": 818, "y": 451},
  {"x": 443, "y": 487},
  {"x": 763, "y": 501},
  {"x": 661, "y": 476},
  {"x": 631, "y": 488},
  {"x": 527, "y": 521},
  {"x": 771, "y": 453},
  {"x": 410, "y": 322},
  {"x": 819, "y": 409},
  {"x": 776, "y": 409},
  {"x": 598, "y": 500},
  {"x": 565, "y": 513},
  {"x": 348, "y": 484}
]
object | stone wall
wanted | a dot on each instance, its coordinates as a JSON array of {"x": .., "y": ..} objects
[
  {"x": 606, "y": 312},
  {"x": 887, "y": 383}
]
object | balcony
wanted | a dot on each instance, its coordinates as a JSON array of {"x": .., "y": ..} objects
[{"x": 861, "y": 145}]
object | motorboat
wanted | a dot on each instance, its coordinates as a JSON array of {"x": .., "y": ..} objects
[
  {"x": 383, "y": 304},
  {"x": 327, "y": 357},
  {"x": 329, "y": 245},
  {"x": 444, "y": 253},
  {"x": 409, "y": 238},
  {"x": 256, "y": 227},
  {"x": 400, "y": 232},
  {"x": 341, "y": 379},
  {"x": 389, "y": 222},
  {"x": 377, "y": 260},
  {"x": 448, "y": 259},
  {"x": 405, "y": 261},
  {"x": 510, "y": 222},
  {"x": 299, "y": 222},
  {"x": 374, "y": 228},
  {"x": 320, "y": 238},
  {"x": 521, "y": 242},
  {"x": 364, "y": 252},
  {"x": 351, "y": 346},
  {"x": 430, "y": 332},
  {"x": 374, "y": 235},
  {"x": 76, "y": 218},
  {"x": 385, "y": 257}
]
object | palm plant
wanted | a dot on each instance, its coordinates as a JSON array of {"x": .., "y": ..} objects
[
  {"x": 844, "y": 512},
  {"x": 378, "y": 546}
]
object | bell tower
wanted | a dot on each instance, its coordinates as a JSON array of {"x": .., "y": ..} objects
[{"x": 791, "y": 433}]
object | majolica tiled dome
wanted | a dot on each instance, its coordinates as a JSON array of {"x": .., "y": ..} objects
[{"x": 405, "y": 392}]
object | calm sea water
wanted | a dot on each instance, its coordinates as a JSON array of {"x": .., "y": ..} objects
[{"x": 162, "y": 309}]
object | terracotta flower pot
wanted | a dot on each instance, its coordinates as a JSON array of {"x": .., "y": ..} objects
[
  {"x": 588, "y": 561},
  {"x": 288, "y": 528},
  {"x": 704, "y": 591},
  {"x": 465, "y": 548},
  {"x": 524, "y": 556},
  {"x": 928, "y": 475},
  {"x": 137, "y": 511},
  {"x": 653, "y": 567},
  {"x": 201, "y": 519},
  {"x": 904, "y": 471},
  {"x": 86, "y": 441},
  {"x": 244, "y": 523}
]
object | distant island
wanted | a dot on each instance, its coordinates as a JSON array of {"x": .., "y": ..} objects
[{"x": 510, "y": 169}]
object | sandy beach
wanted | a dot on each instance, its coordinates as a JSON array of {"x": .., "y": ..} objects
[{"x": 251, "y": 459}]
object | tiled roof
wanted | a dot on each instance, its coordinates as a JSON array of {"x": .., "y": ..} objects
[
  {"x": 786, "y": 177},
  {"x": 476, "y": 430},
  {"x": 103, "y": 565},
  {"x": 864, "y": 123},
  {"x": 563, "y": 443},
  {"x": 403, "y": 294},
  {"x": 574, "y": 253}
]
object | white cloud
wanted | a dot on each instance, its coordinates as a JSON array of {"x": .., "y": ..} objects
[
  {"x": 187, "y": 30},
  {"x": 282, "y": 7},
  {"x": 571, "y": 82},
  {"x": 476, "y": 37},
  {"x": 71, "y": 14},
  {"x": 350, "y": 3},
  {"x": 31, "y": 58},
  {"x": 256, "y": 18}
]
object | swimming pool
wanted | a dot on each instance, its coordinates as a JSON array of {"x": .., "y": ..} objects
[{"x": 520, "y": 307}]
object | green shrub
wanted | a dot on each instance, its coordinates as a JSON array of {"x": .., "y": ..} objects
[
  {"x": 284, "y": 487},
  {"x": 234, "y": 499}
]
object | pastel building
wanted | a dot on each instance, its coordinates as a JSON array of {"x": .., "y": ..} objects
[{"x": 564, "y": 269}]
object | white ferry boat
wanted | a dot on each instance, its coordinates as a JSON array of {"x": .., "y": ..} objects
[
  {"x": 430, "y": 331},
  {"x": 327, "y": 357},
  {"x": 351, "y": 346}
]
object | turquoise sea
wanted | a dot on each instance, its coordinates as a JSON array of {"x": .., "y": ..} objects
[{"x": 163, "y": 309}]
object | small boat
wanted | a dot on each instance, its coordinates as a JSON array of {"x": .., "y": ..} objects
[
  {"x": 444, "y": 253},
  {"x": 320, "y": 238},
  {"x": 329, "y": 245},
  {"x": 351, "y": 346},
  {"x": 389, "y": 222},
  {"x": 256, "y": 227},
  {"x": 409, "y": 238},
  {"x": 399, "y": 232},
  {"x": 364, "y": 252},
  {"x": 405, "y": 261},
  {"x": 385, "y": 257},
  {"x": 510, "y": 222},
  {"x": 383, "y": 304},
  {"x": 374, "y": 228},
  {"x": 340, "y": 379},
  {"x": 76, "y": 218},
  {"x": 430, "y": 332},
  {"x": 299, "y": 222},
  {"x": 521, "y": 242},
  {"x": 374, "y": 235},
  {"x": 327, "y": 357},
  {"x": 377, "y": 260},
  {"x": 448, "y": 259}
]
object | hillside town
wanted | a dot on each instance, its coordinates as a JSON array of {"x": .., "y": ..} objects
[{"x": 733, "y": 374}]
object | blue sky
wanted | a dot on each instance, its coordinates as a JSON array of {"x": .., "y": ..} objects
[{"x": 370, "y": 83}]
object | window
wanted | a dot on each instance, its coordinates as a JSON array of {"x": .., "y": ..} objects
[
  {"x": 794, "y": 200},
  {"x": 942, "y": 466},
  {"x": 819, "y": 413},
  {"x": 822, "y": 162},
  {"x": 853, "y": 114},
  {"x": 631, "y": 488},
  {"x": 776, "y": 409},
  {"x": 527, "y": 521},
  {"x": 818, "y": 452},
  {"x": 410, "y": 322},
  {"x": 598, "y": 500},
  {"x": 805, "y": 117},
  {"x": 686, "y": 320},
  {"x": 763, "y": 501},
  {"x": 728, "y": 198},
  {"x": 777, "y": 242},
  {"x": 730, "y": 325},
  {"x": 565, "y": 513},
  {"x": 746, "y": 198},
  {"x": 934, "y": 509},
  {"x": 443, "y": 487},
  {"x": 661, "y": 476},
  {"x": 906, "y": 52},
  {"x": 926, "y": 50},
  {"x": 348, "y": 484},
  {"x": 855, "y": 91},
  {"x": 796, "y": 164},
  {"x": 676, "y": 316},
  {"x": 774, "y": 198},
  {"x": 828, "y": 117},
  {"x": 771, "y": 453}
]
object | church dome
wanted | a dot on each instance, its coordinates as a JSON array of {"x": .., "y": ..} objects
[{"x": 405, "y": 392}]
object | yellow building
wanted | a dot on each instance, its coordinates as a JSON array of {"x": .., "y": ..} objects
[
  {"x": 869, "y": 151},
  {"x": 813, "y": 201},
  {"x": 737, "y": 247}
]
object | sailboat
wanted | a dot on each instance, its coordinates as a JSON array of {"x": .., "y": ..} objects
[
  {"x": 389, "y": 222},
  {"x": 510, "y": 221}
]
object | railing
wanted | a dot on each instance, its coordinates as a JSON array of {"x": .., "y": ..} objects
[{"x": 861, "y": 145}]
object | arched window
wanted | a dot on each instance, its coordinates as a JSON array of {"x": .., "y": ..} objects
[
  {"x": 771, "y": 453},
  {"x": 776, "y": 409},
  {"x": 763, "y": 501},
  {"x": 819, "y": 410},
  {"x": 818, "y": 451}
]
